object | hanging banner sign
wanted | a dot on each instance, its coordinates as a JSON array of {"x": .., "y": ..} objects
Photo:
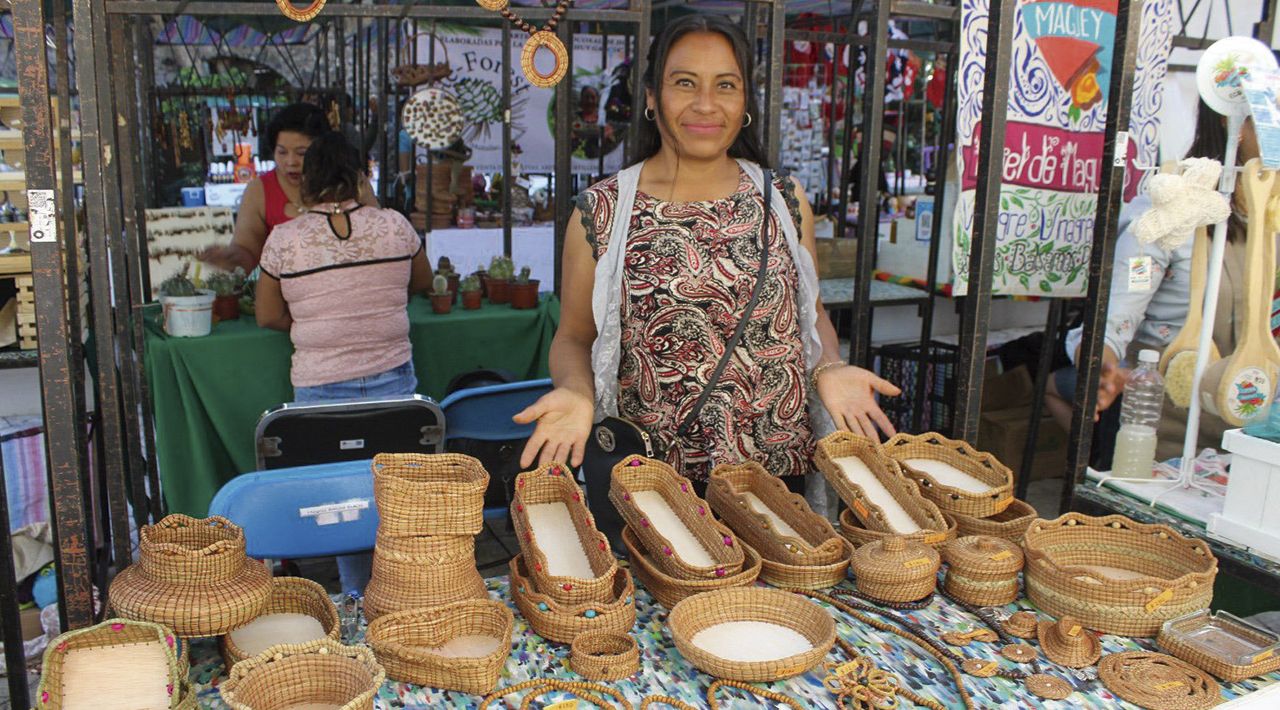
[{"x": 1063, "y": 51}]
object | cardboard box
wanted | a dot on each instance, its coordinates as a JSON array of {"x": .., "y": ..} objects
[
  {"x": 1006, "y": 415},
  {"x": 31, "y": 628},
  {"x": 837, "y": 258}
]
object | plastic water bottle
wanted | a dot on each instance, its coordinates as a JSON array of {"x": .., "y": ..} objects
[{"x": 1139, "y": 418}]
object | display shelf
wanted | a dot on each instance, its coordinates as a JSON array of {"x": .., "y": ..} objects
[
  {"x": 14, "y": 264},
  {"x": 11, "y": 138}
]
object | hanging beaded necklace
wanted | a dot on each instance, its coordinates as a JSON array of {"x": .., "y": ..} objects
[
  {"x": 545, "y": 37},
  {"x": 300, "y": 15}
]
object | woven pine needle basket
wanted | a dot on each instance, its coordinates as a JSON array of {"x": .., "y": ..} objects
[
  {"x": 1174, "y": 639},
  {"x": 407, "y": 644},
  {"x": 429, "y": 494},
  {"x": 549, "y": 485},
  {"x": 983, "y": 570},
  {"x": 563, "y": 623},
  {"x": 842, "y": 445},
  {"x": 785, "y": 576},
  {"x": 1074, "y": 566},
  {"x": 322, "y": 671},
  {"x": 960, "y": 455},
  {"x": 730, "y": 490},
  {"x": 668, "y": 590},
  {"x": 851, "y": 529},
  {"x": 604, "y": 656},
  {"x": 896, "y": 570},
  {"x": 112, "y": 632},
  {"x": 1010, "y": 523},
  {"x": 420, "y": 572},
  {"x": 291, "y": 595}
]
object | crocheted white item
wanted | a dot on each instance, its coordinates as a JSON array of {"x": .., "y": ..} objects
[{"x": 1181, "y": 203}]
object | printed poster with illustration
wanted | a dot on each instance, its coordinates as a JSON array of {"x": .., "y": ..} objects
[{"x": 1063, "y": 52}]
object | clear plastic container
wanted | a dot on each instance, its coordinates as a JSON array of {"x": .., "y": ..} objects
[{"x": 1139, "y": 419}]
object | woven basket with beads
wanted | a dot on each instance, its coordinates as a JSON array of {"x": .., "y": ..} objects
[
  {"x": 429, "y": 494},
  {"x": 407, "y": 644},
  {"x": 670, "y": 591},
  {"x": 785, "y": 576},
  {"x": 976, "y": 464},
  {"x": 1115, "y": 575},
  {"x": 562, "y": 623},
  {"x": 637, "y": 475},
  {"x": 112, "y": 632},
  {"x": 549, "y": 486},
  {"x": 755, "y": 505},
  {"x": 291, "y": 595},
  {"x": 851, "y": 529},
  {"x": 322, "y": 672},
  {"x": 846, "y": 445}
]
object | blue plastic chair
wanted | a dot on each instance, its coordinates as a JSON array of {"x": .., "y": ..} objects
[{"x": 484, "y": 414}]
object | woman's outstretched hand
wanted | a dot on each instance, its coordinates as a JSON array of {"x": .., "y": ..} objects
[
  {"x": 564, "y": 420},
  {"x": 849, "y": 394}
]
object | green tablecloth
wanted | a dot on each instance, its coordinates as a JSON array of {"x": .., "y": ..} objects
[{"x": 207, "y": 393}]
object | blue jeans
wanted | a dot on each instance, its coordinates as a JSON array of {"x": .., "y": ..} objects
[{"x": 354, "y": 570}]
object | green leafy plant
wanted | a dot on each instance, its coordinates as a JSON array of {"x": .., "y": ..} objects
[
  {"x": 523, "y": 278},
  {"x": 178, "y": 285},
  {"x": 440, "y": 286},
  {"x": 226, "y": 283},
  {"x": 470, "y": 284}
]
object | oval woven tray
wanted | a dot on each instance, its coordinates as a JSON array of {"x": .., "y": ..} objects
[
  {"x": 561, "y": 623},
  {"x": 853, "y": 531},
  {"x": 403, "y": 644},
  {"x": 727, "y": 491},
  {"x": 669, "y": 591},
  {"x": 980, "y": 465},
  {"x": 843, "y": 444},
  {"x": 1010, "y": 523}
]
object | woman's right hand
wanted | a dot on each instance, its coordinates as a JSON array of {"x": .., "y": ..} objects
[{"x": 564, "y": 420}]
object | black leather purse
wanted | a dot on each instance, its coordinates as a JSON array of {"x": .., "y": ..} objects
[{"x": 613, "y": 439}]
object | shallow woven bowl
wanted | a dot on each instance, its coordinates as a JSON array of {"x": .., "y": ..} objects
[
  {"x": 563, "y": 623},
  {"x": 853, "y": 531},
  {"x": 322, "y": 671},
  {"x": 1010, "y": 523},
  {"x": 291, "y": 595},
  {"x": 429, "y": 494},
  {"x": 669, "y": 591},
  {"x": 843, "y": 444},
  {"x": 787, "y": 576},
  {"x": 403, "y": 641},
  {"x": 1177, "y": 572},
  {"x": 112, "y": 632},
  {"x": 752, "y": 604},
  {"x": 548, "y": 484},
  {"x": 727, "y": 491},
  {"x": 980, "y": 465}
]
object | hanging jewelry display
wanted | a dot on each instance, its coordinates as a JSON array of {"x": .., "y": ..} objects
[
  {"x": 184, "y": 130},
  {"x": 545, "y": 37},
  {"x": 304, "y": 15},
  {"x": 432, "y": 116}
]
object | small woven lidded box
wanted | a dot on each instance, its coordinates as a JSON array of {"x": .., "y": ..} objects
[
  {"x": 461, "y": 646},
  {"x": 668, "y": 590},
  {"x": 193, "y": 577},
  {"x": 1114, "y": 575},
  {"x": 896, "y": 570},
  {"x": 289, "y": 595},
  {"x": 1010, "y": 523},
  {"x": 853, "y": 531},
  {"x": 675, "y": 525},
  {"x": 983, "y": 571},
  {"x": 111, "y": 659},
  {"x": 778, "y": 523},
  {"x": 429, "y": 494},
  {"x": 577, "y": 565},
  {"x": 563, "y": 623},
  {"x": 953, "y": 474},
  {"x": 323, "y": 673},
  {"x": 874, "y": 486},
  {"x": 418, "y": 572}
]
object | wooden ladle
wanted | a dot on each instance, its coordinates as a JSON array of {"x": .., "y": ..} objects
[{"x": 1238, "y": 387}]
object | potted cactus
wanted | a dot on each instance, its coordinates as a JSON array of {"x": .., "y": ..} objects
[
  {"x": 247, "y": 298},
  {"x": 441, "y": 299},
  {"x": 498, "y": 282},
  {"x": 524, "y": 292},
  {"x": 471, "y": 296},
  {"x": 482, "y": 274},
  {"x": 188, "y": 311},
  {"x": 227, "y": 288},
  {"x": 444, "y": 268}
]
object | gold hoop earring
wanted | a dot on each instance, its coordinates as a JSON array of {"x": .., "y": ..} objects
[
  {"x": 747, "y": 122},
  {"x": 650, "y": 114}
]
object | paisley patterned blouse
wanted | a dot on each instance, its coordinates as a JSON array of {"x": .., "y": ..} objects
[{"x": 690, "y": 269}]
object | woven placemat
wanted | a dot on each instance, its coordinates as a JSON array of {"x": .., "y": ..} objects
[
  {"x": 1048, "y": 687},
  {"x": 1157, "y": 681}
]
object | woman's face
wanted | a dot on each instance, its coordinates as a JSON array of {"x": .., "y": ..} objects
[
  {"x": 291, "y": 148},
  {"x": 703, "y": 96}
]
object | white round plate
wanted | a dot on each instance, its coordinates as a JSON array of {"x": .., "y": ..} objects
[{"x": 1218, "y": 74}]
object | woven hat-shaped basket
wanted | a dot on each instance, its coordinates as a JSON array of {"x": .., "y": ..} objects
[
  {"x": 407, "y": 644},
  {"x": 896, "y": 569},
  {"x": 193, "y": 578},
  {"x": 112, "y": 632},
  {"x": 844, "y": 445},
  {"x": 323, "y": 671},
  {"x": 636, "y": 475},
  {"x": 291, "y": 595},
  {"x": 562, "y": 623},
  {"x": 1180, "y": 638},
  {"x": 785, "y": 576},
  {"x": 983, "y": 571},
  {"x": 757, "y": 604},
  {"x": 1010, "y": 523},
  {"x": 668, "y": 590},
  {"x": 417, "y": 572},
  {"x": 958, "y": 454},
  {"x": 1067, "y": 565},
  {"x": 853, "y": 531},
  {"x": 549, "y": 485},
  {"x": 731, "y": 490},
  {"x": 429, "y": 494},
  {"x": 1068, "y": 643}
]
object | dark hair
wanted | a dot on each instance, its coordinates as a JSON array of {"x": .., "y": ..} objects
[
  {"x": 1210, "y": 141},
  {"x": 649, "y": 139},
  {"x": 333, "y": 170},
  {"x": 307, "y": 119}
]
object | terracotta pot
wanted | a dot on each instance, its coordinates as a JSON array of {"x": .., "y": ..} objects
[
  {"x": 499, "y": 291},
  {"x": 524, "y": 296},
  {"x": 453, "y": 286},
  {"x": 471, "y": 300},
  {"x": 484, "y": 278},
  {"x": 442, "y": 303},
  {"x": 227, "y": 307}
]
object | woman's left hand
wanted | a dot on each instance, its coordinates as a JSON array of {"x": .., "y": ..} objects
[{"x": 849, "y": 394}]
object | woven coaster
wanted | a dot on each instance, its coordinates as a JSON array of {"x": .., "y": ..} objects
[
  {"x": 1021, "y": 625},
  {"x": 955, "y": 638},
  {"x": 1158, "y": 682},
  {"x": 979, "y": 668},
  {"x": 1019, "y": 653},
  {"x": 1048, "y": 687}
]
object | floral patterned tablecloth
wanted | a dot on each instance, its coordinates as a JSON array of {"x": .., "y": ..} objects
[{"x": 664, "y": 671}]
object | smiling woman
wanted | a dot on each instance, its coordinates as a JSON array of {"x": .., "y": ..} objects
[{"x": 690, "y": 307}]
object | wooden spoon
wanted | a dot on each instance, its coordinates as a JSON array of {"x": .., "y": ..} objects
[{"x": 1240, "y": 386}]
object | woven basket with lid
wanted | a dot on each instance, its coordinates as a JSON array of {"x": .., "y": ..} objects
[
  {"x": 979, "y": 465},
  {"x": 429, "y": 494},
  {"x": 727, "y": 492},
  {"x": 1010, "y": 523},
  {"x": 853, "y": 531},
  {"x": 843, "y": 444},
  {"x": 193, "y": 577},
  {"x": 320, "y": 672},
  {"x": 291, "y": 595},
  {"x": 982, "y": 570},
  {"x": 896, "y": 569}
]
